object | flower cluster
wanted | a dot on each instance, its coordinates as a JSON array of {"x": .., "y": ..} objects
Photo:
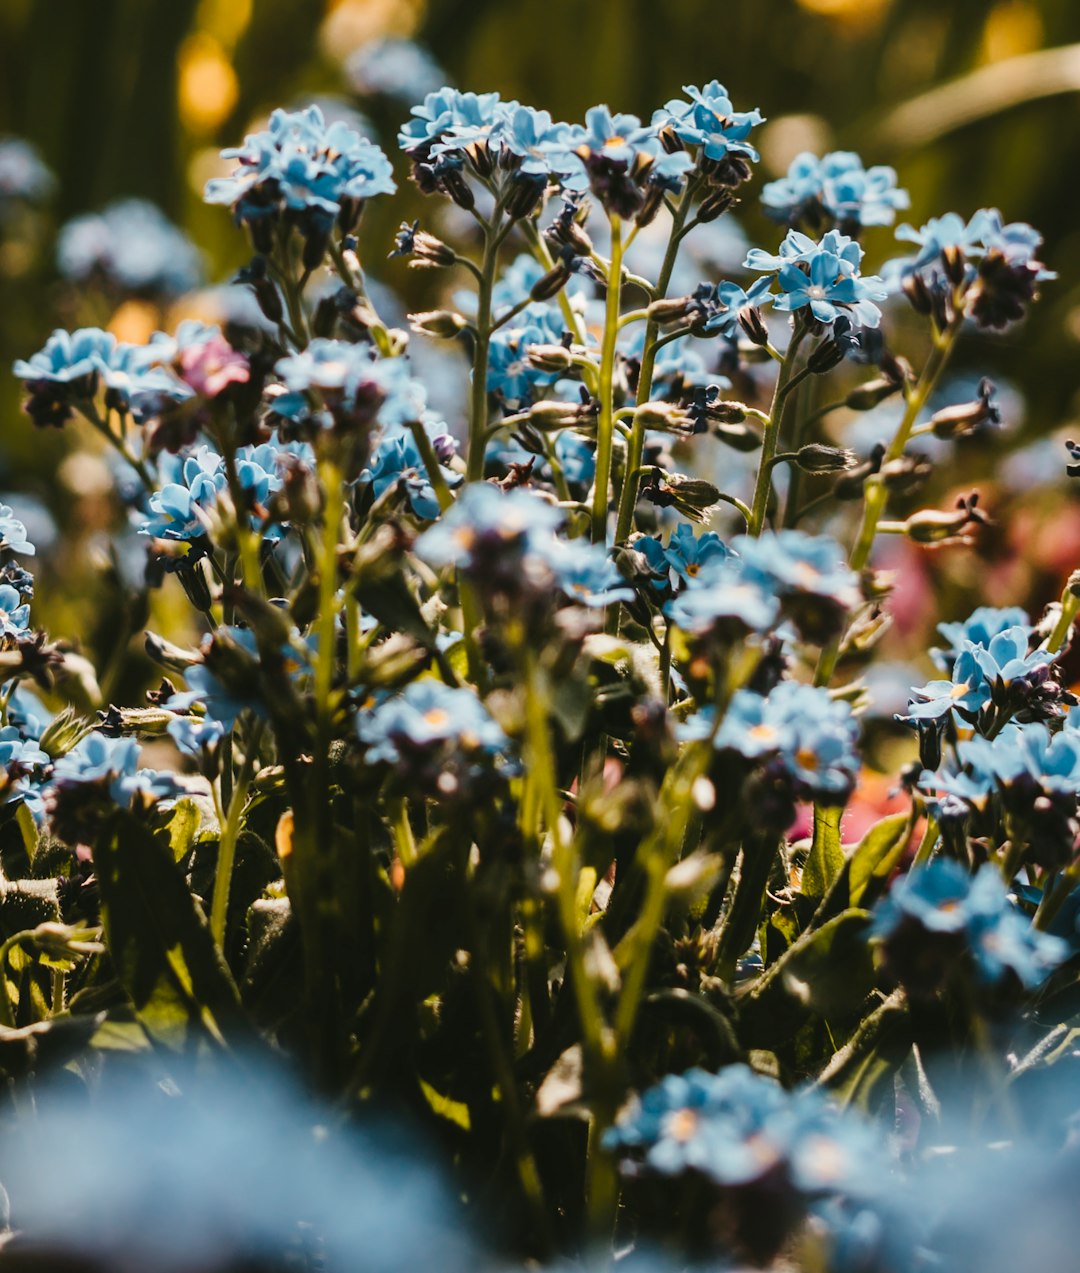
[
  {"x": 835, "y": 188},
  {"x": 133, "y": 248}
]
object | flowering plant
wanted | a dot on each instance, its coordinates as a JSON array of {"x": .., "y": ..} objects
[{"x": 488, "y": 783}]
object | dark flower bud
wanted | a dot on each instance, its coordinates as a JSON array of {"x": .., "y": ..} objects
[
  {"x": 325, "y": 317},
  {"x": 907, "y": 474},
  {"x": 715, "y": 205},
  {"x": 817, "y": 458},
  {"x": 443, "y": 323},
  {"x": 690, "y": 496},
  {"x": 46, "y": 407},
  {"x": 314, "y": 249},
  {"x": 193, "y": 580},
  {"x": 866, "y": 396},
  {"x": 261, "y": 230},
  {"x": 1073, "y": 583},
  {"x": 727, "y": 412},
  {"x": 740, "y": 437},
  {"x": 918, "y": 293},
  {"x": 458, "y": 188},
  {"x": 753, "y": 325},
  {"x": 430, "y": 253},
  {"x": 525, "y": 194},
  {"x": 266, "y": 294},
  {"x": 954, "y": 264},
  {"x": 965, "y": 418},
  {"x": 551, "y": 283},
  {"x": 1002, "y": 290},
  {"x": 670, "y": 140},
  {"x": 479, "y": 153},
  {"x": 826, "y": 356},
  {"x": 664, "y": 417}
]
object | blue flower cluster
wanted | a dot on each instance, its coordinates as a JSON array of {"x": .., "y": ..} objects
[
  {"x": 24, "y": 177},
  {"x": 939, "y": 922},
  {"x": 310, "y": 173},
  {"x": 133, "y": 248},
  {"x": 824, "y": 278},
  {"x": 835, "y": 188}
]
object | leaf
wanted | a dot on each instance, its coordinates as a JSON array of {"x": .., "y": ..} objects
[
  {"x": 159, "y": 941},
  {"x": 562, "y": 1085},
  {"x": 867, "y": 868},
  {"x": 827, "y": 971},
  {"x": 27, "y": 829},
  {"x": 872, "y": 1055},
  {"x": 456, "y": 1112},
  {"x": 826, "y": 859},
  {"x": 182, "y": 827}
]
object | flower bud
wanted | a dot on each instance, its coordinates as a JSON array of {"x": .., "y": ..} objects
[
  {"x": 817, "y": 458},
  {"x": 954, "y": 264},
  {"x": 458, "y": 189},
  {"x": 917, "y": 292},
  {"x": 669, "y": 310},
  {"x": 480, "y": 157},
  {"x": 715, "y": 205},
  {"x": 551, "y": 414},
  {"x": 670, "y": 140},
  {"x": 753, "y": 325},
  {"x": 555, "y": 358},
  {"x": 907, "y": 474},
  {"x": 827, "y": 355},
  {"x": 740, "y": 437},
  {"x": 663, "y": 416},
  {"x": 866, "y": 396},
  {"x": 965, "y": 418},
  {"x": 314, "y": 249},
  {"x": 551, "y": 283},
  {"x": 525, "y": 194},
  {"x": 443, "y": 323},
  {"x": 428, "y": 252},
  {"x": 850, "y": 485}
]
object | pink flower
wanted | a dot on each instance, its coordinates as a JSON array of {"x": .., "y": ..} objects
[{"x": 213, "y": 365}]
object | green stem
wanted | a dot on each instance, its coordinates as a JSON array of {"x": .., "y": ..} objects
[
  {"x": 876, "y": 493},
  {"x": 431, "y": 463},
  {"x": 636, "y": 446},
  {"x": 605, "y": 425},
  {"x": 478, "y": 412},
  {"x": 771, "y": 437},
  {"x": 230, "y": 834},
  {"x": 1070, "y": 604}
]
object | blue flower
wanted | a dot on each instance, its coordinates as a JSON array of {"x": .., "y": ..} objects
[
  {"x": 689, "y": 554},
  {"x": 112, "y": 763},
  {"x": 68, "y": 360},
  {"x": 14, "y": 614},
  {"x": 13, "y": 533},
  {"x": 737, "y": 1127},
  {"x": 133, "y": 246},
  {"x": 973, "y": 915},
  {"x": 809, "y": 573},
  {"x": 837, "y": 185},
  {"x": 708, "y": 120},
  {"x": 722, "y": 600},
  {"x": 619, "y": 137},
  {"x": 721, "y": 304},
  {"x": 442, "y": 111},
  {"x": 303, "y": 168},
  {"x": 811, "y": 736},
  {"x": 511, "y": 376},
  {"x": 980, "y": 627},
  {"x": 966, "y": 691},
  {"x": 398, "y": 459},
  {"x": 485, "y": 521},
  {"x": 393, "y": 68},
  {"x": 829, "y": 290},
  {"x": 584, "y": 572},
  {"x": 23, "y": 175},
  {"x": 424, "y": 715}
]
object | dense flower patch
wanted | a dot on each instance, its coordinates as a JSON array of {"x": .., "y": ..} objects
[{"x": 499, "y": 767}]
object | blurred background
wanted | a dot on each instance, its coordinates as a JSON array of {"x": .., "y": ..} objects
[{"x": 975, "y": 102}]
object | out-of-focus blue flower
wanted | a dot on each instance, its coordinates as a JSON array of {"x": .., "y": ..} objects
[
  {"x": 511, "y": 376},
  {"x": 398, "y": 459},
  {"x": 23, "y": 175},
  {"x": 838, "y": 186},
  {"x": 942, "y": 900},
  {"x": 13, "y": 533},
  {"x": 396, "y": 68},
  {"x": 809, "y": 574},
  {"x": 709, "y": 120},
  {"x": 979, "y": 628},
  {"x": 722, "y": 599},
  {"x": 302, "y": 167},
  {"x": 942, "y": 233},
  {"x": 133, "y": 246},
  {"x": 737, "y": 1127},
  {"x": 179, "y": 509},
  {"x": 584, "y": 572},
  {"x": 577, "y": 456},
  {"x": 437, "y": 739},
  {"x": 14, "y": 613},
  {"x": 811, "y": 736},
  {"x": 486, "y": 521},
  {"x": 195, "y": 735},
  {"x": 113, "y": 763},
  {"x": 68, "y": 359}
]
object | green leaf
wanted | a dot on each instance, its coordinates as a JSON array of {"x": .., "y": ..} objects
[
  {"x": 159, "y": 941},
  {"x": 826, "y": 859},
  {"x": 867, "y": 869},
  {"x": 182, "y": 827},
  {"x": 872, "y": 1055}
]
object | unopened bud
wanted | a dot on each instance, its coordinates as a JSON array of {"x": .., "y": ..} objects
[
  {"x": 672, "y": 309},
  {"x": 550, "y": 414},
  {"x": 430, "y": 253},
  {"x": 740, "y": 437},
  {"x": 458, "y": 189},
  {"x": 525, "y": 194},
  {"x": 553, "y": 358},
  {"x": 818, "y": 458},
  {"x": 551, "y": 283},
  {"x": 314, "y": 249},
  {"x": 829, "y": 354},
  {"x": 965, "y": 418},
  {"x": 664, "y": 416},
  {"x": 907, "y": 474},
  {"x": 715, "y": 205},
  {"x": 917, "y": 292},
  {"x": 443, "y": 323},
  {"x": 753, "y": 325},
  {"x": 955, "y": 264},
  {"x": 670, "y": 140},
  {"x": 866, "y": 396}
]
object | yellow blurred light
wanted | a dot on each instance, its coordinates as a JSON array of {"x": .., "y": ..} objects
[
  {"x": 134, "y": 322},
  {"x": 208, "y": 87},
  {"x": 1011, "y": 29},
  {"x": 351, "y": 23},
  {"x": 859, "y": 12},
  {"x": 225, "y": 20}
]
